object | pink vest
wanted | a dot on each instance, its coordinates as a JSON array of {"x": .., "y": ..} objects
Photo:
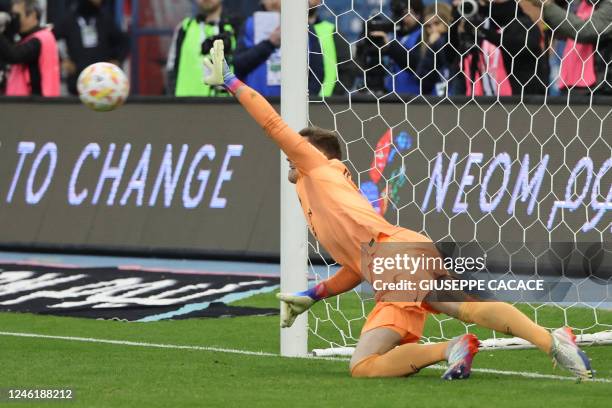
[
  {"x": 491, "y": 77},
  {"x": 19, "y": 81},
  {"x": 578, "y": 62}
]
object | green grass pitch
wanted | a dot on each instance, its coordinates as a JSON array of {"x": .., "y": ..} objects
[{"x": 114, "y": 375}]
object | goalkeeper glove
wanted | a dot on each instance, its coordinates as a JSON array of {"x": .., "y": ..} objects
[
  {"x": 216, "y": 70},
  {"x": 294, "y": 304}
]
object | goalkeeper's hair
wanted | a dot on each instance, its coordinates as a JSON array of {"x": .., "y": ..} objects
[{"x": 324, "y": 140}]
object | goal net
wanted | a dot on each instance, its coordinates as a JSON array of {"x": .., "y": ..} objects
[{"x": 473, "y": 124}]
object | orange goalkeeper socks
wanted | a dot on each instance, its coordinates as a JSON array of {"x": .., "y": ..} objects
[
  {"x": 401, "y": 361},
  {"x": 507, "y": 319}
]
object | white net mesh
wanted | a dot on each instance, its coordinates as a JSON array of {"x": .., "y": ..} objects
[{"x": 467, "y": 122}]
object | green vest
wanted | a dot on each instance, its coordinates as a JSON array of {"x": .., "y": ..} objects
[
  {"x": 325, "y": 33},
  {"x": 191, "y": 65}
]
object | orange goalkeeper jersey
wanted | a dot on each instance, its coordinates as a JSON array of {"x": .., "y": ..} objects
[{"x": 338, "y": 215}]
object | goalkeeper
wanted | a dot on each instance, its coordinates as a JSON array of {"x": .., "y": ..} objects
[{"x": 341, "y": 219}]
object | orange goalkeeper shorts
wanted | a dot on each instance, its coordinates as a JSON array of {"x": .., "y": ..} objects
[{"x": 407, "y": 319}]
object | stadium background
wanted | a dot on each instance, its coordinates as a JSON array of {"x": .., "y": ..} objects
[{"x": 152, "y": 23}]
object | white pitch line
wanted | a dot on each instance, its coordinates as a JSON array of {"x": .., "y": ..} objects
[
  {"x": 265, "y": 354},
  {"x": 140, "y": 344}
]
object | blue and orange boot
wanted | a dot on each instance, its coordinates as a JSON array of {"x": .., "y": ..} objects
[{"x": 460, "y": 354}]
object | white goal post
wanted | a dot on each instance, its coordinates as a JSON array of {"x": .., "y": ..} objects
[{"x": 294, "y": 110}]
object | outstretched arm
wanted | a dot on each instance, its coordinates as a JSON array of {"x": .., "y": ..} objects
[
  {"x": 304, "y": 155},
  {"x": 295, "y": 304}
]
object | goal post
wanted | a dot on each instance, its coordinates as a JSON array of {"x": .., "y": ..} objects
[{"x": 294, "y": 110}]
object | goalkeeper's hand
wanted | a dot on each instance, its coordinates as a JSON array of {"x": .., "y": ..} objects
[
  {"x": 293, "y": 305},
  {"x": 216, "y": 70}
]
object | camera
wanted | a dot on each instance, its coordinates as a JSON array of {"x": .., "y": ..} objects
[
  {"x": 5, "y": 20},
  {"x": 225, "y": 36},
  {"x": 379, "y": 24},
  {"x": 468, "y": 8},
  {"x": 368, "y": 52},
  {"x": 9, "y": 22}
]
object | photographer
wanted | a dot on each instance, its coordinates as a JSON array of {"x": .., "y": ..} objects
[
  {"x": 509, "y": 56},
  {"x": 193, "y": 39},
  {"x": 91, "y": 36},
  {"x": 588, "y": 51},
  {"x": 34, "y": 60},
  {"x": 403, "y": 50}
]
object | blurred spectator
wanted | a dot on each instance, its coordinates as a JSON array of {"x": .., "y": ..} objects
[
  {"x": 258, "y": 63},
  {"x": 550, "y": 45},
  {"x": 436, "y": 62},
  {"x": 193, "y": 39},
  {"x": 509, "y": 55},
  {"x": 5, "y": 21},
  {"x": 588, "y": 51},
  {"x": 404, "y": 52},
  {"x": 336, "y": 54},
  {"x": 91, "y": 35},
  {"x": 34, "y": 59},
  {"x": 257, "y": 60}
]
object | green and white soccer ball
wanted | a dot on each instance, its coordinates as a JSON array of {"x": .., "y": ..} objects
[{"x": 103, "y": 87}]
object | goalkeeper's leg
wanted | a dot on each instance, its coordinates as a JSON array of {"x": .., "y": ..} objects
[
  {"x": 376, "y": 355},
  {"x": 505, "y": 318},
  {"x": 499, "y": 316},
  {"x": 392, "y": 324}
]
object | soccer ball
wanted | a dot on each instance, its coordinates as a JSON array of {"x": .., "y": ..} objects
[{"x": 103, "y": 87}]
